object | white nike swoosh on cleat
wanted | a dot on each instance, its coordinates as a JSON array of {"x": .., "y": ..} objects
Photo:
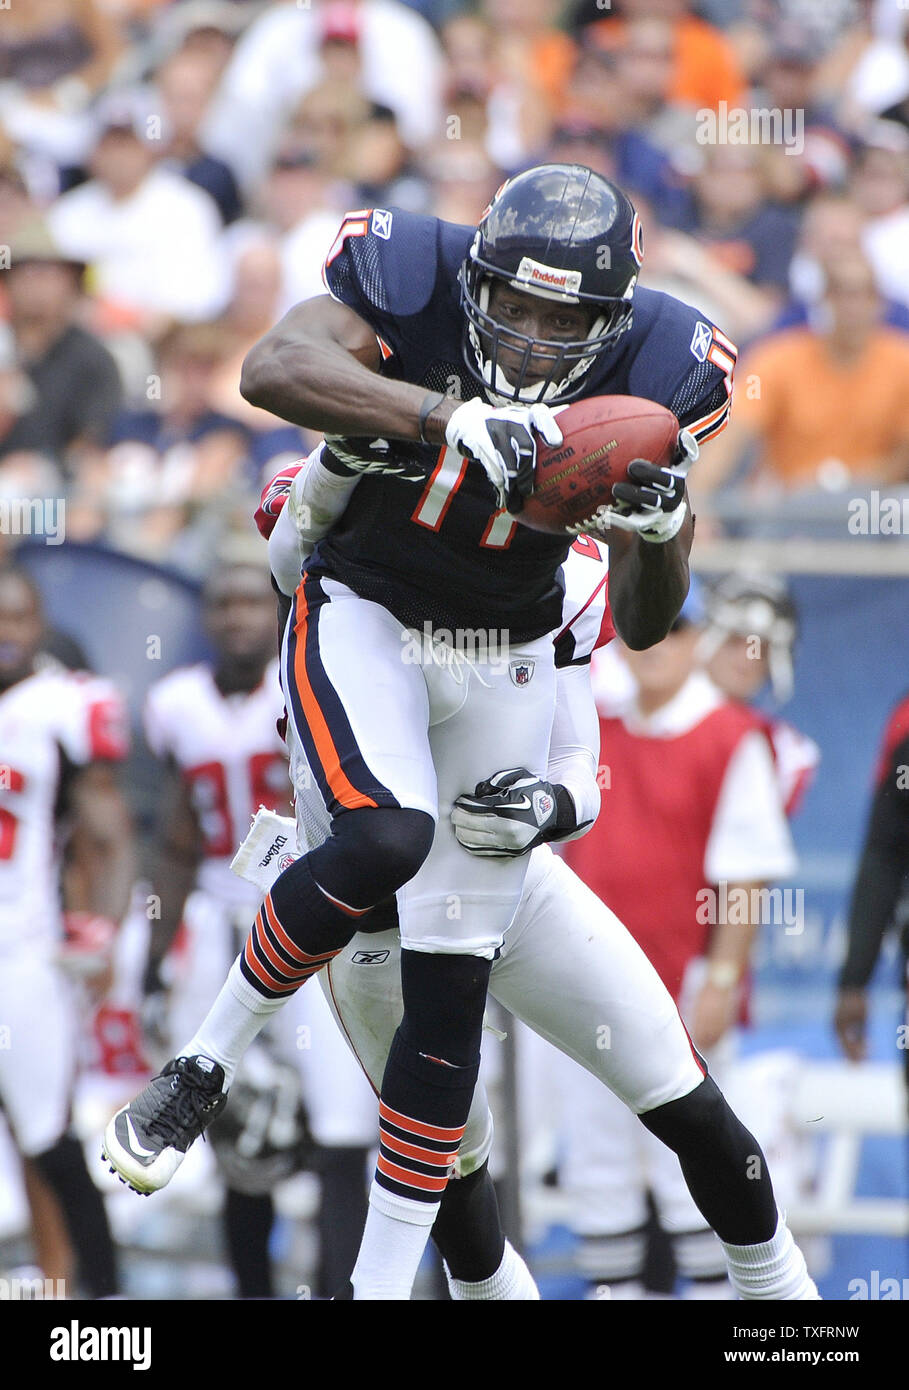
[{"x": 134, "y": 1141}]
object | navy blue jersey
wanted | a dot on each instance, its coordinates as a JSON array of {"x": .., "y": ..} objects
[{"x": 429, "y": 544}]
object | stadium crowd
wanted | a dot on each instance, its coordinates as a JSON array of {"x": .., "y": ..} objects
[{"x": 172, "y": 175}]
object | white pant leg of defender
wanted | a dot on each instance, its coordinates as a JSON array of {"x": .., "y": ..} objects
[
  {"x": 38, "y": 1060},
  {"x": 339, "y": 1101},
  {"x": 573, "y": 973},
  {"x": 363, "y": 988},
  {"x": 459, "y": 903}
]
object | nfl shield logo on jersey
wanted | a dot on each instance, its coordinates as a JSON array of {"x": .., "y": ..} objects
[{"x": 521, "y": 671}]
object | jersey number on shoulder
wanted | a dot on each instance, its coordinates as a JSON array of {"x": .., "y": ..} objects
[{"x": 439, "y": 493}]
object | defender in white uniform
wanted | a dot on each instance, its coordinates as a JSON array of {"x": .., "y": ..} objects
[{"x": 59, "y": 734}]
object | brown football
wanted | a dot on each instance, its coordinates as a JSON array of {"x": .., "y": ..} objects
[{"x": 600, "y": 437}]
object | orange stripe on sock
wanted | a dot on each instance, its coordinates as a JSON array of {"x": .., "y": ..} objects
[
  {"x": 414, "y": 1151},
  {"x": 450, "y": 1136},
  {"x": 261, "y": 974},
  {"x": 342, "y": 788},
  {"x": 284, "y": 940},
  {"x": 410, "y": 1179},
  {"x": 285, "y": 971}
]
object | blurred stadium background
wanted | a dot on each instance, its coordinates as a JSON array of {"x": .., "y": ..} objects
[{"x": 171, "y": 177}]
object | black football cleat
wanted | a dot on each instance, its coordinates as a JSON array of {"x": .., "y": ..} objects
[{"x": 147, "y": 1140}]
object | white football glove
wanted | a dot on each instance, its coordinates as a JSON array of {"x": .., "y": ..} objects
[
  {"x": 502, "y": 441},
  {"x": 507, "y": 816},
  {"x": 652, "y": 504}
]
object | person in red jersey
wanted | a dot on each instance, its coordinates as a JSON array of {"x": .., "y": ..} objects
[{"x": 692, "y": 827}]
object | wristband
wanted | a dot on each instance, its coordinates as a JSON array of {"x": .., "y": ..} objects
[
  {"x": 430, "y": 403},
  {"x": 723, "y": 974}
]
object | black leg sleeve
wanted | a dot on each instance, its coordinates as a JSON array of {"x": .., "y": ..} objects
[
  {"x": 248, "y": 1221},
  {"x": 722, "y": 1163},
  {"x": 467, "y": 1230},
  {"x": 63, "y": 1169}
]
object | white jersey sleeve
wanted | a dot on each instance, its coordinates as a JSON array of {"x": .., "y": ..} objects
[
  {"x": 156, "y": 719},
  {"x": 574, "y": 745},
  {"x": 92, "y": 721},
  {"x": 797, "y": 757},
  {"x": 586, "y": 620},
  {"x": 749, "y": 839}
]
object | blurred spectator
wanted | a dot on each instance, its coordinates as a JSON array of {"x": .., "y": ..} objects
[
  {"x": 73, "y": 388},
  {"x": 471, "y": 75},
  {"x": 788, "y": 85},
  {"x": 185, "y": 84},
  {"x": 624, "y": 155},
  {"x": 326, "y": 121},
  {"x": 679, "y": 264},
  {"x": 177, "y": 464},
  {"x": 299, "y": 203},
  {"x": 251, "y": 313},
  {"x": 644, "y": 62},
  {"x": 823, "y": 403},
  {"x": 54, "y": 58},
  {"x": 831, "y": 232},
  {"x": 150, "y": 237},
  {"x": 16, "y": 205},
  {"x": 380, "y": 165},
  {"x": 868, "y": 70},
  {"x": 464, "y": 181},
  {"x": 533, "y": 60},
  {"x": 207, "y": 29},
  {"x": 728, "y": 212},
  {"x": 880, "y": 186},
  {"x": 281, "y": 56},
  {"x": 705, "y": 65}
]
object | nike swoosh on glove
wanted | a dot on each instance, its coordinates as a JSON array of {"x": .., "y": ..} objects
[
  {"x": 502, "y": 441},
  {"x": 508, "y": 815}
]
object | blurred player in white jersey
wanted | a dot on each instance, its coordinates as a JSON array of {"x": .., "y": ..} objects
[
  {"x": 215, "y": 727},
  {"x": 65, "y": 844}
]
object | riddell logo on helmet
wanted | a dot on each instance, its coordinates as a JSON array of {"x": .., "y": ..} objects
[{"x": 548, "y": 277}]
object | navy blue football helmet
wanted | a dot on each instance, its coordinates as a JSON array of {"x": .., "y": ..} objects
[{"x": 562, "y": 232}]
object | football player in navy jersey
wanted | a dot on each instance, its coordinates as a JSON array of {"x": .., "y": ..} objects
[{"x": 431, "y": 368}]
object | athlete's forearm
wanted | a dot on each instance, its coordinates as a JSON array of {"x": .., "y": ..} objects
[
  {"x": 172, "y": 882},
  {"x": 102, "y": 868},
  {"x": 318, "y": 368},
  {"x": 648, "y": 584},
  {"x": 731, "y": 942}
]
